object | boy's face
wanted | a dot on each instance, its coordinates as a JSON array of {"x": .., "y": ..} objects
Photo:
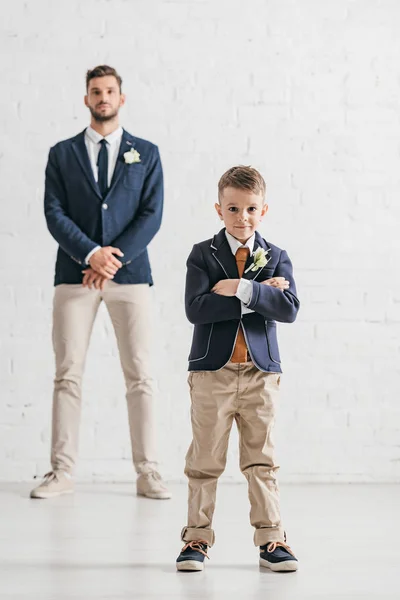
[
  {"x": 104, "y": 98},
  {"x": 241, "y": 211}
]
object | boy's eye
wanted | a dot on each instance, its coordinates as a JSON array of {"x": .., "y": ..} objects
[
  {"x": 252, "y": 209},
  {"x": 232, "y": 209}
]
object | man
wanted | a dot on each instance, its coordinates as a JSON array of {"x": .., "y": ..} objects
[{"x": 103, "y": 205}]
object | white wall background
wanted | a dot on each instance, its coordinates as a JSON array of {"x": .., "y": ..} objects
[{"x": 308, "y": 92}]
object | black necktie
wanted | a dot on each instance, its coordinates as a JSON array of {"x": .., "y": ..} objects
[{"x": 102, "y": 165}]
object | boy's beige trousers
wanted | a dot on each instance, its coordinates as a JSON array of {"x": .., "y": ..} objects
[{"x": 237, "y": 392}]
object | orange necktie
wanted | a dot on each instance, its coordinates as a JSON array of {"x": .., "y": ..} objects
[{"x": 240, "y": 351}]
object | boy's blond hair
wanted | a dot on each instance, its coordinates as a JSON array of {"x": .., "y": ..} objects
[{"x": 243, "y": 178}]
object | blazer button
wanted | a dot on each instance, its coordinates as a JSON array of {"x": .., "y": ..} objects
[{"x": 105, "y": 206}]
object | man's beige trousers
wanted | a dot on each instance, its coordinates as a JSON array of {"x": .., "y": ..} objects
[
  {"x": 74, "y": 312},
  {"x": 239, "y": 392}
]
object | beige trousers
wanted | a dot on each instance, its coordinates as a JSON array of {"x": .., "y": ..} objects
[
  {"x": 74, "y": 312},
  {"x": 240, "y": 392}
]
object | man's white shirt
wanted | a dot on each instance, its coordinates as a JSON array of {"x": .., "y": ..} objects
[{"x": 92, "y": 142}]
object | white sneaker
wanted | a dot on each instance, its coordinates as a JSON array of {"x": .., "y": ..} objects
[
  {"x": 55, "y": 483},
  {"x": 152, "y": 486}
]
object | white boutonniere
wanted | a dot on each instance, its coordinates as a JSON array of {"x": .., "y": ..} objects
[
  {"x": 260, "y": 259},
  {"x": 132, "y": 156}
]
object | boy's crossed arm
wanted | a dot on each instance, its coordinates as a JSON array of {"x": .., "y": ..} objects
[
  {"x": 228, "y": 287},
  {"x": 273, "y": 298},
  {"x": 202, "y": 306}
]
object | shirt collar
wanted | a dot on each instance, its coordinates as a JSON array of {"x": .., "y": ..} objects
[
  {"x": 95, "y": 137},
  {"x": 235, "y": 244}
]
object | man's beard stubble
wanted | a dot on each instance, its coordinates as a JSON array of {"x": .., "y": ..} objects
[{"x": 102, "y": 118}]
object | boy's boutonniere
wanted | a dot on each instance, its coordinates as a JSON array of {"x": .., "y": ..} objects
[
  {"x": 132, "y": 156},
  {"x": 260, "y": 260}
]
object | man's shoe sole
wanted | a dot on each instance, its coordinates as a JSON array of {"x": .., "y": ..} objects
[
  {"x": 190, "y": 565},
  {"x": 160, "y": 496},
  {"x": 46, "y": 496},
  {"x": 283, "y": 567}
]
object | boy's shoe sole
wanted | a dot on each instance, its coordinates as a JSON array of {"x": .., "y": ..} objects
[
  {"x": 46, "y": 495},
  {"x": 283, "y": 567},
  {"x": 189, "y": 565}
]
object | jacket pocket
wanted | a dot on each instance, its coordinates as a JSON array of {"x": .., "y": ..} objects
[
  {"x": 272, "y": 340},
  {"x": 265, "y": 273},
  {"x": 133, "y": 177},
  {"x": 201, "y": 342}
]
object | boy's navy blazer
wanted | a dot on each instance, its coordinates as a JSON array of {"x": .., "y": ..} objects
[
  {"x": 217, "y": 318},
  {"x": 79, "y": 218}
]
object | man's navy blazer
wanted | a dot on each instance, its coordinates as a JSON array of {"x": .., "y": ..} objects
[
  {"x": 217, "y": 318},
  {"x": 79, "y": 218}
]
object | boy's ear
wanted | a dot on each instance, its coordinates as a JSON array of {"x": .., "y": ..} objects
[
  {"x": 218, "y": 209},
  {"x": 264, "y": 210}
]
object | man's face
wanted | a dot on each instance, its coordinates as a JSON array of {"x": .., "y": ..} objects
[
  {"x": 242, "y": 211},
  {"x": 104, "y": 98}
]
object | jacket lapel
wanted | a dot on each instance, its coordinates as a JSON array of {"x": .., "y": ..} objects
[
  {"x": 222, "y": 253},
  {"x": 81, "y": 153},
  {"x": 259, "y": 242},
  {"x": 127, "y": 143}
]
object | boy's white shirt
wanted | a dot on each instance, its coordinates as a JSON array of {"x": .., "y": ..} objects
[{"x": 245, "y": 287}]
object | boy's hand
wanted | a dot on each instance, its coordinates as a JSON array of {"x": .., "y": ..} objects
[
  {"x": 278, "y": 282},
  {"x": 90, "y": 278},
  {"x": 226, "y": 287}
]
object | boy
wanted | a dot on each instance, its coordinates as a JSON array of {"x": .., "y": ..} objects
[{"x": 237, "y": 287}]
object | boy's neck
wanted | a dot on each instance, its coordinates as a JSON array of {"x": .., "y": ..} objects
[{"x": 241, "y": 241}]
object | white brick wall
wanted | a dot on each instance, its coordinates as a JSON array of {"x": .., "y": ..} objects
[{"x": 309, "y": 93}]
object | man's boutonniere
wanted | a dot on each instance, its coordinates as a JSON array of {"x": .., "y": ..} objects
[
  {"x": 132, "y": 156},
  {"x": 260, "y": 260}
]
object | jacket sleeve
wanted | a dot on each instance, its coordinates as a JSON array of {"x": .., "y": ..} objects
[
  {"x": 203, "y": 306},
  {"x": 147, "y": 221},
  {"x": 68, "y": 235},
  {"x": 273, "y": 303}
]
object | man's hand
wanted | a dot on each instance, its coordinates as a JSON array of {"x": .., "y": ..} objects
[
  {"x": 278, "y": 282},
  {"x": 104, "y": 262},
  {"x": 90, "y": 278},
  {"x": 226, "y": 287}
]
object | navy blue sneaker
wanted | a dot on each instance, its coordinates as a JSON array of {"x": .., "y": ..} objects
[
  {"x": 277, "y": 556},
  {"x": 192, "y": 556}
]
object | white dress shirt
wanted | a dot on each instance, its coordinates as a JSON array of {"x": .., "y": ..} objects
[
  {"x": 92, "y": 142},
  {"x": 245, "y": 287}
]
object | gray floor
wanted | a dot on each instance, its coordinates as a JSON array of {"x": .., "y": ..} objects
[{"x": 104, "y": 542}]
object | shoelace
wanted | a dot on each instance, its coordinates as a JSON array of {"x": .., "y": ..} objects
[
  {"x": 274, "y": 545},
  {"x": 49, "y": 477},
  {"x": 153, "y": 475},
  {"x": 196, "y": 545}
]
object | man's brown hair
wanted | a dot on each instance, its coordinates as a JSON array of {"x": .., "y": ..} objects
[
  {"x": 102, "y": 71},
  {"x": 242, "y": 178}
]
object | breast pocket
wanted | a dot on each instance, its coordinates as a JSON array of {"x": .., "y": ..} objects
[
  {"x": 266, "y": 273},
  {"x": 133, "y": 177}
]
